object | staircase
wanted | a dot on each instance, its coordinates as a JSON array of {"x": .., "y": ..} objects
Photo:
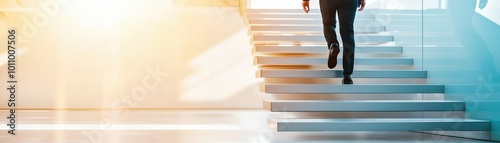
[{"x": 390, "y": 92}]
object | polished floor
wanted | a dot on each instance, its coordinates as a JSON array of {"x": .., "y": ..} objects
[{"x": 182, "y": 126}]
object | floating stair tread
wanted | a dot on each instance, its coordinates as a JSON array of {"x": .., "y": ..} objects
[
  {"x": 292, "y": 73},
  {"x": 351, "y": 89},
  {"x": 380, "y": 124},
  {"x": 363, "y": 105}
]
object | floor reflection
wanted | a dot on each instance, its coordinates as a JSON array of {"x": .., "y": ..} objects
[{"x": 183, "y": 126}]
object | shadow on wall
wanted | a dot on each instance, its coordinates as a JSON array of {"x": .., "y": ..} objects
[
  {"x": 469, "y": 71},
  {"x": 476, "y": 34}
]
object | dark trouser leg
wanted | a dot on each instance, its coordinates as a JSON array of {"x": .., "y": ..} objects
[
  {"x": 328, "y": 13},
  {"x": 347, "y": 13}
]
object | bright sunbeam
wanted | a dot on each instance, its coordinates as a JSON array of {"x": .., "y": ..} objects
[{"x": 127, "y": 127}]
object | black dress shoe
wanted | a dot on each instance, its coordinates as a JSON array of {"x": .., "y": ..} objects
[
  {"x": 347, "y": 79},
  {"x": 332, "y": 55}
]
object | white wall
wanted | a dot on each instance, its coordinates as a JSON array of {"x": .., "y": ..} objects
[
  {"x": 491, "y": 11},
  {"x": 102, "y": 54}
]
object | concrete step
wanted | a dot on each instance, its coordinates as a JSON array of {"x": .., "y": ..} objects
[
  {"x": 361, "y": 16},
  {"x": 362, "y": 105},
  {"x": 308, "y": 29},
  {"x": 324, "y": 49},
  {"x": 350, "y": 89},
  {"x": 295, "y": 16},
  {"x": 313, "y": 29},
  {"x": 282, "y": 39},
  {"x": 280, "y": 73},
  {"x": 357, "y": 22},
  {"x": 410, "y": 23},
  {"x": 322, "y": 61},
  {"x": 379, "y": 124},
  {"x": 366, "y": 11},
  {"x": 427, "y": 39},
  {"x": 419, "y": 28}
]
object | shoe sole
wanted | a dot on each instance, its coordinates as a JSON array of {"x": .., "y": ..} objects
[
  {"x": 347, "y": 82},
  {"x": 332, "y": 57}
]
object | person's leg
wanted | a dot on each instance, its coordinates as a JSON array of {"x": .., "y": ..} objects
[
  {"x": 347, "y": 13},
  {"x": 328, "y": 14}
]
